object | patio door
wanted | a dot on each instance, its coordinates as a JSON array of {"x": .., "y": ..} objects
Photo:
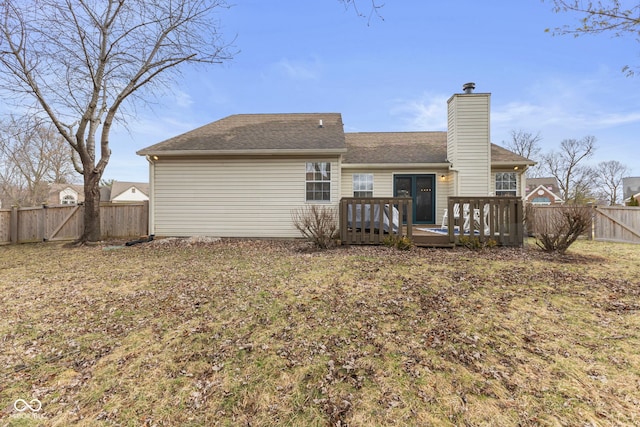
[{"x": 421, "y": 188}]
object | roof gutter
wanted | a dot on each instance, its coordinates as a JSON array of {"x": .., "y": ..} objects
[
  {"x": 395, "y": 165},
  {"x": 512, "y": 164}
]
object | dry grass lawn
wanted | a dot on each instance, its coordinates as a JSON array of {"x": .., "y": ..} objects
[{"x": 257, "y": 333}]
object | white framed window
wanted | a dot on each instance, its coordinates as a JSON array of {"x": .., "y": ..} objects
[
  {"x": 318, "y": 181},
  {"x": 506, "y": 184},
  {"x": 68, "y": 199},
  {"x": 362, "y": 185}
]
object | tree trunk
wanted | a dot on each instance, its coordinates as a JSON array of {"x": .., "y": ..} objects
[{"x": 91, "y": 231}]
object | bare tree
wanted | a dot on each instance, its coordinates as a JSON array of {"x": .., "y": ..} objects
[
  {"x": 574, "y": 178},
  {"x": 609, "y": 177},
  {"x": 79, "y": 61},
  {"x": 615, "y": 17},
  {"x": 374, "y": 8},
  {"x": 527, "y": 145},
  {"x": 33, "y": 156}
]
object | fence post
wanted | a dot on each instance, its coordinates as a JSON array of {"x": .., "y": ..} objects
[
  {"x": 145, "y": 217},
  {"x": 13, "y": 224},
  {"x": 592, "y": 209},
  {"x": 42, "y": 225}
]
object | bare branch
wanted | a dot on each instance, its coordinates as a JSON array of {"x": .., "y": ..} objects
[
  {"x": 79, "y": 61},
  {"x": 609, "y": 176},
  {"x": 32, "y": 155},
  {"x": 561, "y": 227},
  {"x": 615, "y": 17},
  {"x": 374, "y": 9},
  {"x": 574, "y": 179}
]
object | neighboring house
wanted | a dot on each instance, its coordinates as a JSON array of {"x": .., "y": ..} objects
[
  {"x": 543, "y": 191},
  {"x": 630, "y": 187},
  {"x": 243, "y": 175},
  {"x": 129, "y": 192},
  {"x": 118, "y": 192},
  {"x": 65, "y": 194},
  {"x": 105, "y": 193}
]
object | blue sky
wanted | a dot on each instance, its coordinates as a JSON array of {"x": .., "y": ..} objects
[{"x": 396, "y": 74}]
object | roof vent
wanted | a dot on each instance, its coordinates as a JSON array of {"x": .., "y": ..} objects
[
  {"x": 320, "y": 125},
  {"x": 468, "y": 87}
]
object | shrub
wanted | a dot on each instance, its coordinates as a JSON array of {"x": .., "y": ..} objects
[
  {"x": 633, "y": 202},
  {"x": 474, "y": 243},
  {"x": 318, "y": 224},
  {"x": 563, "y": 227},
  {"x": 402, "y": 243}
]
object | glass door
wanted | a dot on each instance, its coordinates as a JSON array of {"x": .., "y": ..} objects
[{"x": 421, "y": 188}]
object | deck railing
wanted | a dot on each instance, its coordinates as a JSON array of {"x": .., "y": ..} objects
[
  {"x": 497, "y": 218},
  {"x": 368, "y": 220}
]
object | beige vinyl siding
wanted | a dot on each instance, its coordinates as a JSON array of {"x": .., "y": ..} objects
[
  {"x": 231, "y": 197},
  {"x": 468, "y": 143},
  {"x": 383, "y": 185}
]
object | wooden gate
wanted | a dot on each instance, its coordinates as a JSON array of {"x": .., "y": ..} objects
[{"x": 617, "y": 224}]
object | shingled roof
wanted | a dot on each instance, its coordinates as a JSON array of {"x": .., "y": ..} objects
[
  {"x": 502, "y": 156},
  {"x": 254, "y": 133},
  {"x": 307, "y": 133},
  {"x": 411, "y": 147},
  {"x": 396, "y": 147}
]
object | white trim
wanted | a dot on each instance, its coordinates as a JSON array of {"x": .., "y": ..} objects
[{"x": 259, "y": 152}]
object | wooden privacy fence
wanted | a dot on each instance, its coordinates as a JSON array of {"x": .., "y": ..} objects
[
  {"x": 609, "y": 223},
  {"x": 500, "y": 219},
  {"x": 617, "y": 224},
  {"x": 62, "y": 222},
  {"x": 367, "y": 220}
]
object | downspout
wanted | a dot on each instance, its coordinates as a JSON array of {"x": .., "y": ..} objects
[
  {"x": 152, "y": 195},
  {"x": 523, "y": 182},
  {"x": 456, "y": 182}
]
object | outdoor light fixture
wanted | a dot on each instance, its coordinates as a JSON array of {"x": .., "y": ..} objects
[
  {"x": 515, "y": 168},
  {"x": 442, "y": 177},
  {"x": 155, "y": 157}
]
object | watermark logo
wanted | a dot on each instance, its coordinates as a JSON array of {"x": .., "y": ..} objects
[{"x": 22, "y": 405}]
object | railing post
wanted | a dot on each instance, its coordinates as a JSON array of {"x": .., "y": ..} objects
[
  {"x": 451, "y": 220},
  {"x": 520, "y": 210},
  {"x": 409, "y": 218}
]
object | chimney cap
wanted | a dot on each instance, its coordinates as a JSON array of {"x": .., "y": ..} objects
[{"x": 468, "y": 87}]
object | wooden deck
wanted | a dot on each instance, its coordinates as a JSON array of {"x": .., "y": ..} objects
[
  {"x": 368, "y": 221},
  {"x": 428, "y": 239}
]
